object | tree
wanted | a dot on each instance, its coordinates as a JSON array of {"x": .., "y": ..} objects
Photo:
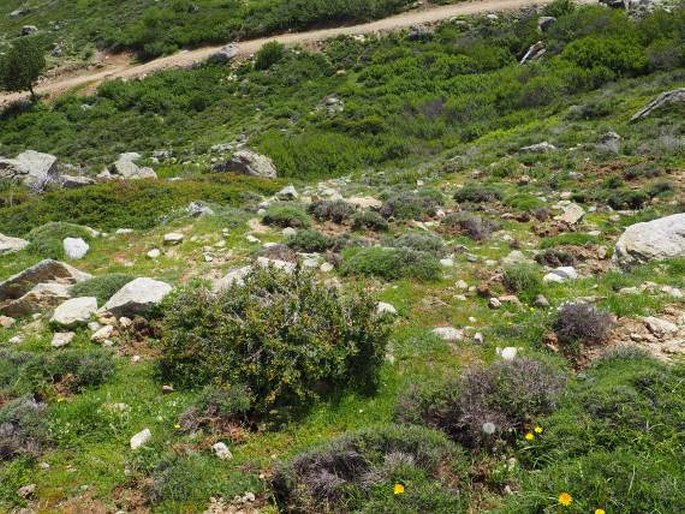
[{"x": 21, "y": 67}]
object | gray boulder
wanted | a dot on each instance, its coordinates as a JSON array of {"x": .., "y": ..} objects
[
  {"x": 37, "y": 299},
  {"x": 11, "y": 244},
  {"x": 75, "y": 181},
  {"x": 225, "y": 54},
  {"x": 668, "y": 97},
  {"x": 539, "y": 148},
  {"x": 663, "y": 238},
  {"x": 76, "y": 311},
  {"x": 44, "y": 272},
  {"x": 125, "y": 167},
  {"x": 35, "y": 169},
  {"x": 137, "y": 297},
  {"x": 247, "y": 162}
]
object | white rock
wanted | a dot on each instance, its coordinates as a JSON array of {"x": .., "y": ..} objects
[
  {"x": 173, "y": 238},
  {"x": 663, "y": 238},
  {"x": 16, "y": 340},
  {"x": 252, "y": 239},
  {"x": 288, "y": 193},
  {"x": 508, "y": 354},
  {"x": 289, "y": 232},
  {"x": 448, "y": 333},
  {"x": 327, "y": 267},
  {"x": 74, "y": 312},
  {"x": 75, "y": 248},
  {"x": 561, "y": 274},
  {"x": 155, "y": 253},
  {"x": 102, "y": 334},
  {"x": 11, "y": 244},
  {"x": 385, "y": 308},
  {"x": 572, "y": 214},
  {"x": 61, "y": 339},
  {"x": 447, "y": 263},
  {"x": 137, "y": 297},
  {"x": 123, "y": 231},
  {"x": 140, "y": 439},
  {"x": 6, "y": 321},
  {"x": 222, "y": 451}
]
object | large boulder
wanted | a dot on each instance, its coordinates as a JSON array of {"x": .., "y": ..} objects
[
  {"x": 663, "y": 238},
  {"x": 40, "y": 297},
  {"x": 74, "y": 312},
  {"x": 137, "y": 297},
  {"x": 45, "y": 271},
  {"x": 247, "y": 162},
  {"x": 35, "y": 169},
  {"x": 125, "y": 167},
  {"x": 11, "y": 244}
]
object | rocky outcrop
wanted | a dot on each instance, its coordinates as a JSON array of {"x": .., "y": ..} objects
[
  {"x": 539, "y": 148},
  {"x": 668, "y": 97},
  {"x": 11, "y": 244},
  {"x": 35, "y": 169},
  {"x": 663, "y": 238},
  {"x": 247, "y": 162},
  {"x": 137, "y": 297},
  {"x": 534, "y": 52},
  {"x": 225, "y": 54}
]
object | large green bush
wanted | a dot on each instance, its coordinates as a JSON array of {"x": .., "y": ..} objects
[
  {"x": 46, "y": 241},
  {"x": 390, "y": 263},
  {"x": 287, "y": 338},
  {"x": 102, "y": 287}
]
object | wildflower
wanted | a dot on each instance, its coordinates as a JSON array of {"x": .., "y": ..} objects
[
  {"x": 600, "y": 511},
  {"x": 398, "y": 489},
  {"x": 538, "y": 430},
  {"x": 529, "y": 436},
  {"x": 565, "y": 499}
]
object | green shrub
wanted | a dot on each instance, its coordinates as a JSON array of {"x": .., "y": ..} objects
[
  {"x": 268, "y": 55},
  {"x": 485, "y": 407},
  {"x": 412, "y": 206},
  {"x": 568, "y": 239},
  {"x": 357, "y": 472},
  {"x": 523, "y": 279},
  {"x": 619, "y": 54},
  {"x": 217, "y": 409},
  {"x": 46, "y": 241},
  {"x": 23, "y": 428},
  {"x": 337, "y": 211},
  {"x": 310, "y": 241},
  {"x": 102, "y": 287},
  {"x": 581, "y": 324},
  {"x": 478, "y": 194},
  {"x": 463, "y": 223},
  {"x": 284, "y": 216},
  {"x": 286, "y": 338},
  {"x": 369, "y": 220},
  {"x": 390, "y": 263},
  {"x": 420, "y": 242}
]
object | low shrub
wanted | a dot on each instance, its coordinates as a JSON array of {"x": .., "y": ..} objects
[
  {"x": 523, "y": 279},
  {"x": 581, "y": 324},
  {"x": 409, "y": 205},
  {"x": 310, "y": 241},
  {"x": 217, "y": 409},
  {"x": 419, "y": 241},
  {"x": 284, "y": 337},
  {"x": 478, "y": 194},
  {"x": 361, "y": 472},
  {"x": 70, "y": 370},
  {"x": 284, "y": 216},
  {"x": 268, "y": 55},
  {"x": 102, "y": 287},
  {"x": 369, "y": 220},
  {"x": 568, "y": 239},
  {"x": 23, "y": 428},
  {"x": 390, "y": 263},
  {"x": 46, "y": 241},
  {"x": 475, "y": 227},
  {"x": 485, "y": 407},
  {"x": 556, "y": 257},
  {"x": 337, "y": 211}
]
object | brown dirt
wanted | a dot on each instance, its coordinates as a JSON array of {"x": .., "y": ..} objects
[{"x": 122, "y": 66}]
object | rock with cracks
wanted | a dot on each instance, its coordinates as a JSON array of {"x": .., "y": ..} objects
[
  {"x": 137, "y": 297},
  {"x": 668, "y": 97},
  {"x": 663, "y": 238}
]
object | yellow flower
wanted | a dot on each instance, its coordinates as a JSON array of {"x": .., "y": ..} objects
[
  {"x": 565, "y": 499},
  {"x": 600, "y": 511},
  {"x": 398, "y": 489},
  {"x": 177, "y": 426},
  {"x": 529, "y": 436},
  {"x": 538, "y": 430}
]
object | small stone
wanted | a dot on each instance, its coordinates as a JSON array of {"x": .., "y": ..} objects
[
  {"x": 155, "y": 253},
  {"x": 326, "y": 267},
  {"x": 508, "y": 354},
  {"x": 94, "y": 326},
  {"x": 288, "y": 193},
  {"x": 252, "y": 239},
  {"x": 222, "y": 451},
  {"x": 541, "y": 301},
  {"x": 494, "y": 303},
  {"x": 173, "y": 238},
  {"x": 572, "y": 214},
  {"x": 471, "y": 258},
  {"x": 385, "y": 308},
  {"x": 76, "y": 311},
  {"x": 124, "y": 231},
  {"x": 289, "y": 232},
  {"x": 26, "y": 491},
  {"x": 479, "y": 338},
  {"x": 62, "y": 339},
  {"x": 447, "y": 263},
  {"x": 167, "y": 389},
  {"x": 125, "y": 322},
  {"x": 461, "y": 284},
  {"x": 140, "y": 439},
  {"x": 102, "y": 334},
  {"x": 6, "y": 321},
  {"x": 16, "y": 340}
]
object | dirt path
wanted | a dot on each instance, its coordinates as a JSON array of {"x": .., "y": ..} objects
[{"x": 127, "y": 69}]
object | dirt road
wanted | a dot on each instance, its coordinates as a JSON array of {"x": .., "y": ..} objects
[{"x": 127, "y": 69}]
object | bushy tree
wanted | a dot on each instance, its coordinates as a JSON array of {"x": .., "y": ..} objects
[{"x": 22, "y": 66}]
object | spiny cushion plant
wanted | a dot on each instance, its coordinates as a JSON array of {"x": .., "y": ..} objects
[{"x": 287, "y": 338}]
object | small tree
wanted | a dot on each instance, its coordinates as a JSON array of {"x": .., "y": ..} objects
[{"x": 21, "y": 67}]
